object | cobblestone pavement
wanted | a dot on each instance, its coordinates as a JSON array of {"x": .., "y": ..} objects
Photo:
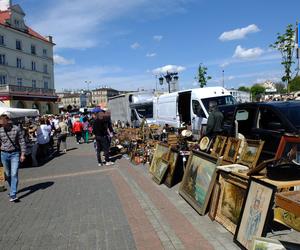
[{"x": 71, "y": 203}]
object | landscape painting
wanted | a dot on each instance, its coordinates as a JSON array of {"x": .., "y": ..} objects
[{"x": 198, "y": 180}]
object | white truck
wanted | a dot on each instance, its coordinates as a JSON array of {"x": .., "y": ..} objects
[
  {"x": 132, "y": 108},
  {"x": 189, "y": 107}
]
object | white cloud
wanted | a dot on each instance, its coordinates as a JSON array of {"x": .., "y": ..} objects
[
  {"x": 135, "y": 45},
  {"x": 157, "y": 38},
  {"x": 60, "y": 60},
  {"x": 150, "y": 54},
  {"x": 238, "y": 33},
  {"x": 242, "y": 53},
  {"x": 168, "y": 68},
  {"x": 77, "y": 24}
]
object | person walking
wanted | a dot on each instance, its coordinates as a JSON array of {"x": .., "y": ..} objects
[
  {"x": 13, "y": 150},
  {"x": 85, "y": 129},
  {"x": 102, "y": 129},
  {"x": 214, "y": 121},
  {"x": 77, "y": 129},
  {"x": 43, "y": 134},
  {"x": 62, "y": 135}
]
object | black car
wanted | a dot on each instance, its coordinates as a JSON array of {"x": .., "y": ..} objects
[{"x": 266, "y": 121}]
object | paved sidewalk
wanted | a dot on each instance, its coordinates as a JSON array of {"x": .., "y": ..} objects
[{"x": 71, "y": 203}]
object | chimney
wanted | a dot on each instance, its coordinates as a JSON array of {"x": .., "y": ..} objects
[
  {"x": 5, "y": 5},
  {"x": 49, "y": 38}
]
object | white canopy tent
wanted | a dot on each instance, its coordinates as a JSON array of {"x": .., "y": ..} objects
[{"x": 18, "y": 113}]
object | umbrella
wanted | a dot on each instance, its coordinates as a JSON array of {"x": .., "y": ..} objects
[{"x": 97, "y": 110}]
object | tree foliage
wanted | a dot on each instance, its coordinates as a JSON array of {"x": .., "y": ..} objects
[
  {"x": 243, "y": 88},
  {"x": 280, "y": 88},
  {"x": 285, "y": 43},
  {"x": 295, "y": 84},
  {"x": 257, "y": 90},
  {"x": 202, "y": 76}
]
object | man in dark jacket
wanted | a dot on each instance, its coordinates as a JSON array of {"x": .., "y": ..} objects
[
  {"x": 214, "y": 121},
  {"x": 102, "y": 130}
]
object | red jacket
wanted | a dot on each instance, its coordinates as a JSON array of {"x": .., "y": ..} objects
[{"x": 77, "y": 127}]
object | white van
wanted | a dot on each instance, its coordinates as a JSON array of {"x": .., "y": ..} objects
[{"x": 189, "y": 107}]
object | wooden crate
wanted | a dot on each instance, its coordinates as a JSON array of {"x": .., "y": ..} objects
[{"x": 289, "y": 201}]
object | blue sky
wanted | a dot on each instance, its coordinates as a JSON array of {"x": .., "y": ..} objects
[{"x": 126, "y": 44}]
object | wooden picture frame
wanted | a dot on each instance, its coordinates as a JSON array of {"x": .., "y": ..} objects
[
  {"x": 256, "y": 212},
  {"x": 287, "y": 218},
  {"x": 198, "y": 180},
  {"x": 232, "y": 149},
  {"x": 285, "y": 145},
  {"x": 160, "y": 171},
  {"x": 161, "y": 152},
  {"x": 218, "y": 146},
  {"x": 266, "y": 244},
  {"x": 232, "y": 194},
  {"x": 173, "y": 162},
  {"x": 251, "y": 153},
  {"x": 214, "y": 201}
]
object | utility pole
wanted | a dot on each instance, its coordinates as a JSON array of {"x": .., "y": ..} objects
[{"x": 223, "y": 83}]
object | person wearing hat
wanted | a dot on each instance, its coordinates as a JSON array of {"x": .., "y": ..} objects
[
  {"x": 13, "y": 150},
  {"x": 214, "y": 121}
]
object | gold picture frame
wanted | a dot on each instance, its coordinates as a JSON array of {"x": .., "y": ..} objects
[
  {"x": 251, "y": 153},
  {"x": 232, "y": 149},
  {"x": 160, "y": 171},
  {"x": 173, "y": 162},
  {"x": 218, "y": 146},
  {"x": 232, "y": 194},
  {"x": 214, "y": 201},
  {"x": 161, "y": 152}
]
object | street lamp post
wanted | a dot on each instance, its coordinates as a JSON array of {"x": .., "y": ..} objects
[
  {"x": 88, "y": 84},
  {"x": 169, "y": 77}
]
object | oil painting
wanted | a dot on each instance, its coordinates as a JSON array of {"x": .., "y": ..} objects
[
  {"x": 173, "y": 160},
  {"x": 161, "y": 152},
  {"x": 261, "y": 243},
  {"x": 160, "y": 171},
  {"x": 198, "y": 180},
  {"x": 218, "y": 146},
  {"x": 251, "y": 153},
  {"x": 232, "y": 149}
]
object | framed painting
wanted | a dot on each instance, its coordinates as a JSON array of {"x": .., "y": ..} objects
[
  {"x": 218, "y": 146},
  {"x": 214, "y": 201},
  {"x": 232, "y": 195},
  {"x": 262, "y": 243},
  {"x": 160, "y": 171},
  {"x": 232, "y": 149},
  {"x": 173, "y": 161},
  {"x": 161, "y": 152},
  {"x": 198, "y": 180},
  {"x": 256, "y": 212},
  {"x": 251, "y": 153},
  {"x": 289, "y": 148}
]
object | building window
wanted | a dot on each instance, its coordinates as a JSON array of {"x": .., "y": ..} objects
[
  {"x": 33, "y": 50},
  {"x": 2, "y": 59},
  {"x": 46, "y": 85},
  {"x": 34, "y": 83},
  {"x": 19, "y": 81},
  {"x": 17, "y": 23},
  {"x": 2, "y": 79},
  {"x": 44, "y": 52},
  {"x": 45, "y": 68},
  {"x": 33, "y": 66},
  {"x": 1, "y": 40},
  {"x": 18, "y": 45},
  {"x": 19, "y": 63}
]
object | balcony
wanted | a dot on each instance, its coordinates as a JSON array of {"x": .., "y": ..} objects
[{"x": 15, "y": 90}]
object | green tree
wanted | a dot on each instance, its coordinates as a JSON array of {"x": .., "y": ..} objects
[
  {"x": 243, "y": 88},
  {"x": 295, "y": 84},
  {"x": 202, "y": 76},
  {"x": 256, "y": 91},
  {"x": 280, "y": 88},
  {"x": 285, "y": 43}
]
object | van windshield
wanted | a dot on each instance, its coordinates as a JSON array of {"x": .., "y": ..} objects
[
  {"x": 220, "y": 100},
  {"x": 144, "y": 110}
]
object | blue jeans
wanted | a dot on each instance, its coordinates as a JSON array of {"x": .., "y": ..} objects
[{"x": 11, "y": 163}]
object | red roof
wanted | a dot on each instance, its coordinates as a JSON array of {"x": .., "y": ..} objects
[{"x": 4, "y": 15}]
